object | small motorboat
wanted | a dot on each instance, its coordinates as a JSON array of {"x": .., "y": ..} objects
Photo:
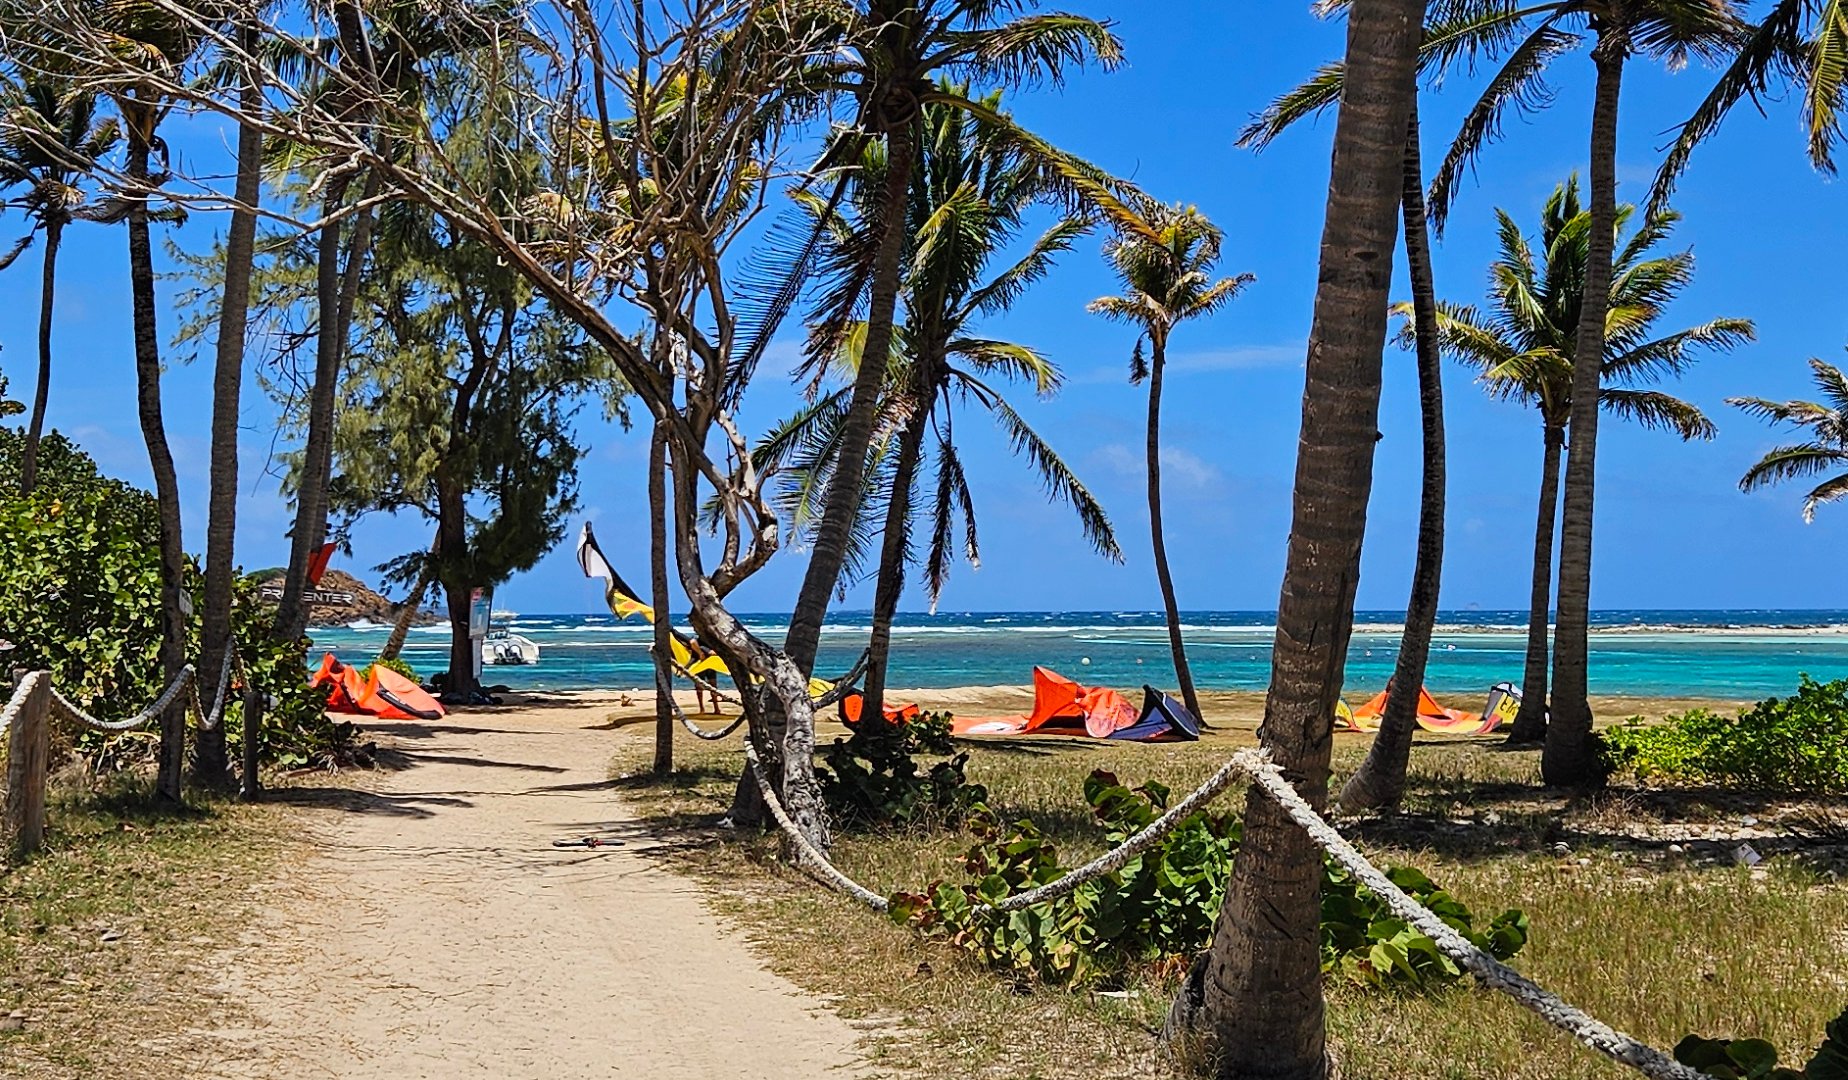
[{"x": 503, "y": 646}]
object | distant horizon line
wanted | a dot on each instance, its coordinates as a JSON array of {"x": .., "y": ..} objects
[{"x": 1473, "y": 608}]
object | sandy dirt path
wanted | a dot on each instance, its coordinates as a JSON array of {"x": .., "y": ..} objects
[{"x": 435, "y": 932}]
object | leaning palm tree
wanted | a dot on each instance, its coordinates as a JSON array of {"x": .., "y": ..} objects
[
  {"x": 1254, "y": 999},
  {"x": 1527, "y": 40},
  {"x": 163, "y": 43},
  {"x": 1167, "y": 275},
  {"x": 971, "y": 190},
  {"x": 1827, "y": 448},
  {"x": 1523, "y": 347},
  {"x": 887, "y": 53},
  {"x": 51, "y": 138}
]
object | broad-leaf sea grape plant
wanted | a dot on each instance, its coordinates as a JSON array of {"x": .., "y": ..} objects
[
  {"x": 1161, "y": 906},
  {"x": 1756, "y": 1059},
  {"x": 1790, "y": 744}
]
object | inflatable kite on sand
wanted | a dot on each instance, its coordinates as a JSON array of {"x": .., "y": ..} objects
[
  {"x": 1431, "y": 715},
  {"x": 1064, "y": 707},
  {"x": 383, "y": 693}
]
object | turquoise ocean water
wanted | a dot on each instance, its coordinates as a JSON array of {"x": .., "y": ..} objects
[{"x": 1727, "y": 654}]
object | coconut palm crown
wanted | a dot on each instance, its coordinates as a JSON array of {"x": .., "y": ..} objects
[{"x": 1827, "y": 448}]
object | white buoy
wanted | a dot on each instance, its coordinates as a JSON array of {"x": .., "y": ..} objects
[{"x": 1085, "y": 660}]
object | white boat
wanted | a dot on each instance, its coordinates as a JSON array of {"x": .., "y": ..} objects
[
  {"x": 505, "y": 647},
  {"x": 500, "y": 615}
]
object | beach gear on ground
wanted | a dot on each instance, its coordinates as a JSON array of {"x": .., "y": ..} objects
[
  {"x": 1431, "y": 716},
  {"x": 1345, "y": 720},
  {"x": 851, "y": 703},
  {"x": 1163, "y": 719},
  {"x": 1064, "y": 707},
  {"x": 383, "y": 693},
  {"x": 1504, "y": 702}
]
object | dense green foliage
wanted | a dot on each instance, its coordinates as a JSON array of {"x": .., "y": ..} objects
[
  {"x": 395, "y": 663},
  {"x": 1794, "y": 744},
  {"x": 1164, "y": 902},
  {"x": 872, "y": 777},
  {"x": 1756, "y": 1059},
  {"x": 82, "y": 577}
]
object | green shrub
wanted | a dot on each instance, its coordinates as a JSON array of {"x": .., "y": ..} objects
[
  {"x": 80, "y": 571},
  {"x": 872, "y": 777},
  {"x": 1756, "y": 1059},
  {"x": 1792, "y": 744},
  {"x": 1163, "y": 903},
  {"x": 397, "y": 664}
]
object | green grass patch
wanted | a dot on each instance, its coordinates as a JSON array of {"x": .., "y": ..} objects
[
  {"x": 1638, "y": 914},
  {"x": 106, "y": 935}
]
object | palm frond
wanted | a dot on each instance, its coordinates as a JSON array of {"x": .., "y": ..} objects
[
  {"x": 1658, "y": 412},
  {"x": 1836, "y": 487},
  {"x": 1322, "y": 91},
  {"x": 1825, "y": 93},
  {"x": 1792, "y": 462},
  {"x": 1519, "y": 85},
  {"x": 1061, "y": 483},
  {"x": 1671, "y": 355},
  {"x": 1030, "y": 50}
]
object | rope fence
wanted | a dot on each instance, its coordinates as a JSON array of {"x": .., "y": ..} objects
[
  {"x": 25, "y": 721},
  {"x": 1255, "y": 766}
]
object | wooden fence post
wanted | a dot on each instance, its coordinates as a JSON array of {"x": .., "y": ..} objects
[{"x": 28, "y": 756}]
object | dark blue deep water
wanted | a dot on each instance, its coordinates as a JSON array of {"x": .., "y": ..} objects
[{"x": 1729, "y": 654}]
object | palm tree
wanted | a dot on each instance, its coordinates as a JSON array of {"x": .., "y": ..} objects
[
  {"x": 1380, "y": 779},
  {"x": 50, "y": 140},
  {"x": 888, "y": 53},
  {"x": 227, "y": 389},
  {"x": 1254, "y": 1001},
  {"x": 1523, "y": 349},
  {"x": 1168, "y": 280},
  {"x": 1827, "y": 449},
  {"x": 163, "y": 42},
  {"x": 971, "y": 189}
]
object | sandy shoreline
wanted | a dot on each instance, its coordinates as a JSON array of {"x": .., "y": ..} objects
[{"x": 1235, "y": 710}]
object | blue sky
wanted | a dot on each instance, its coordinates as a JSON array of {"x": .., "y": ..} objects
[{"x": 1672, "y": 530}]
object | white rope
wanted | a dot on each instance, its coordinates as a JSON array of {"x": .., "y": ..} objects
[
  {"x": 69, "y": 709},
  {"x": 17, "y": 702},
  {"x": 208, "y": 722},
  {"x": 1592, "y": 1032},
  {"x": 1257, "y": 766}
]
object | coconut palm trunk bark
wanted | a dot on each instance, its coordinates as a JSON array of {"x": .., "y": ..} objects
[
  {"x": 895, "y": 545},
  {"x": 1380, "y": 781},
  {"x": 317, "y": 453},
  {"x": 1530, "y": 722},
  {"x": 846, "y": 488},
  {"x": 139, "y": 120},
  {"x": 41, "y": 393},
  {"x": 337, "y": 285},
  {"x": 1254, "y": 1007},
  {"x": 1569, "y": 758},
  {"x": 1158, "y": 364},
  {"x": 227, "y": 392},
  {"x": 657, "y": 583}
]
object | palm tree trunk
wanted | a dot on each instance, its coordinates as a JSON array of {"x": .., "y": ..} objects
[
  {"x": 844, "y": 491},
  {"x": 140, "y": 122},
  {"x": 1256, "y": 1007},
  {"x": 1158, "y": 362},
  {"x": 227, "y": 390},
  {"x": 894, "y": 555},
  {"x": 1568, "y": 759},
  {"x": 657, "y": 582},
  {"x": 337, "y": 285},
  {"x": 407, "y": 611},
  {"x": 1530, "y": 722},
  {"x": 35, "y": 427},
  {"x": 1380, "y": 781},
  {"x": 317, "y": 455}
]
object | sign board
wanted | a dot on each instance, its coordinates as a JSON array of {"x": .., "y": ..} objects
[{"x": 322, "y": 597}]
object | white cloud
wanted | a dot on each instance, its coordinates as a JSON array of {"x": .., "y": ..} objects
[
  {"x": 1232, "y": 358},
  {"x": 1180, "y": 468}
]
